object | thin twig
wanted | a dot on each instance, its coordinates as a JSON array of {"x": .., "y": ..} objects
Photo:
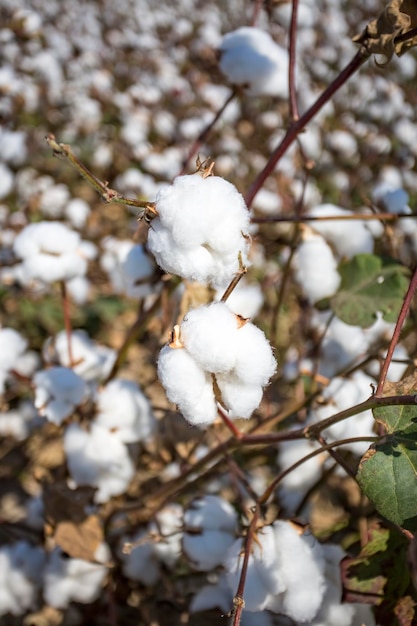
[
  {"x": 397, "y": 330},
  {"x": 67, "y": 320},
  {"x": 294, "y": 113}
]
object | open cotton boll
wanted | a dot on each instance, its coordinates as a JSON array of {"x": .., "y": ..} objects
[
  {"x": 98, "y": 458},
  {"x": 245, "y": 300},
  {"x": 74, "y": 580},
  {"x": 263, "y": 578},
  {"x": 139, "y": 563},
  {"x": 202, "y": 221},
  {"x": 316, "y": 268},
  {"x": 249, "y": 57},
  {"x": 128, "y": 266},
  {"x": 58, "y": 391},
  {"x": 348, "y": 237},
  {"x": 169, "y": 530},
  {"x": 50, "y": 251},
  {"x": 209, "y": 530},
  {"x": 187, "y": 385},
  {"x": 295, "y": 484},
  {"x": 12, "y": 347},
  {"x": 92, "y": 362},
  {"x": 77, "y": 211},
  {"x": 21, "y": 567},
  {"x": 301, "y": 563},
  {"x": 211, "y": 335},
  {"x": 124, "y": 410},
  {"x": 18, "y": 422}
]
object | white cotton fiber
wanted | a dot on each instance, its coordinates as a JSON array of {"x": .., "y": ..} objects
[
  {"x": 124, "y": 410},
  {"x": 211, "y": 336},
  {"x": 199, "y": 229},
  {"x": 98, "y": 458},
  {"x": 316, "y": 268},
  {"x": 255, "y": 362},
  {"x": 348, "y": 237},
  {"x": 139, "y": 562},
  {"x": 12, "y": 347},
  {"x": 21, "y": 566},
  {"x": 67, "y": 579},
  {"x": 187, "y": 385},
  {"x": 250, "y": 57},
  {"x": 58, "y": 391},
  {"x": 239, "y": 397},
  {"x": 168, "y": 527},
  {"x": 91, "y": 361}
]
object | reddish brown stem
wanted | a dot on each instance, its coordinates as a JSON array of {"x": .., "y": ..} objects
[
  {"x": 396, "y": 334},
  {"x": 294, "y": 113},
  {"x": 67, "y": 320},
  {"x": 296, "y": 127},
  {"x": 238, "y": 601}
]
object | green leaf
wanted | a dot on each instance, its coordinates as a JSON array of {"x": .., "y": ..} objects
[
  {"x": 387, "y": 472},
  {"x": 369, "y": 284}
]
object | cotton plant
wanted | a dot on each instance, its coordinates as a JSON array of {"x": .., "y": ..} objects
[
  {"x": 200, "y": 231},
  {"x": 250, "y": 58},
  {"x": 21, "y": 567},
  {"x": 214, "y": 343},
  {"x": 285, "y": 572},
  {"x": 210, "y": 526},
  {"x": 18, "y": 422},
  {"x": 68, "y": 579},
  {"x": 50, "y": 251},
  {"x": 58, "y": 392}
]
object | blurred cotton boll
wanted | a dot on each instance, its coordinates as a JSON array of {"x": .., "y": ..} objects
[
  {"x": 316, "y": 268},
  {"x": 249, "y": 57},
  {"x": 98, "y": 458},
  {"x": 74, "y": 580},
  {"x": 128, "y": 266},
  {"x": 58, "y": 391},
  {"x": 12, "y": 348},
  {"x": 210, "y": 526},
  {"x": 50, "y": 251},
  {"x": 21, "y": 567},
  {"x": 124, "y": 410}
]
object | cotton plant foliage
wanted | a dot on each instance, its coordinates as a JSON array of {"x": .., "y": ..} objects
[{"x": 215, "y": 356}]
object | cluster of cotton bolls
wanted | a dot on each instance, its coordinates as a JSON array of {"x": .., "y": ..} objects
[{"x": 214, "y": 342}]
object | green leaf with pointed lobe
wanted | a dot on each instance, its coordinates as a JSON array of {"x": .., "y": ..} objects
[
  {"x": 370, "y": 284},
  {"x": 387, "y": 472}
]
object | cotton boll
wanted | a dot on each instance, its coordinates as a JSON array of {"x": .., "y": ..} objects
[
  {"x": 295, "y": 484},
  {"x": 17, "y": 423},
  {"x": 21, "y": 568},
  {"x": 92, "y": 362},
  {"x": 209, "y": 529},
  {"x": 211, "y": 335},
  {"x": 349, "y": 237},
  {"x": 250, "y": 57},
  {"x": 200, "y": 222},
  {"x": 12, "y": 347},
  {"x": 396, "y": 370},
  {"x": 140, "y": 563},
  {"x": 78, "y": 289},
  {"x": 187, "y": 385},
  {"x": 125, "y": 411},
  {"x": 77, "y": 211},
  {"x": 263, "y": 577},
  {"x": 67, "y": 580},
  {"x": 53, "y": 200},
  {"x": 58, "y": 391},
  {"x": 50, "y": 251},
  {"x": 128, "y": 266},
  {"x": 316, "y": 268},
  {"x": 168, "y": 528},
  {"x": 302, "y": 564},
  {"x": 98, "y": 458}
]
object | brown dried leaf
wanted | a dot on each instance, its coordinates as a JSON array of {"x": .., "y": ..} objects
[
  {"x": 80, "y": 540},
  {"x": 380, "y": 35}
]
